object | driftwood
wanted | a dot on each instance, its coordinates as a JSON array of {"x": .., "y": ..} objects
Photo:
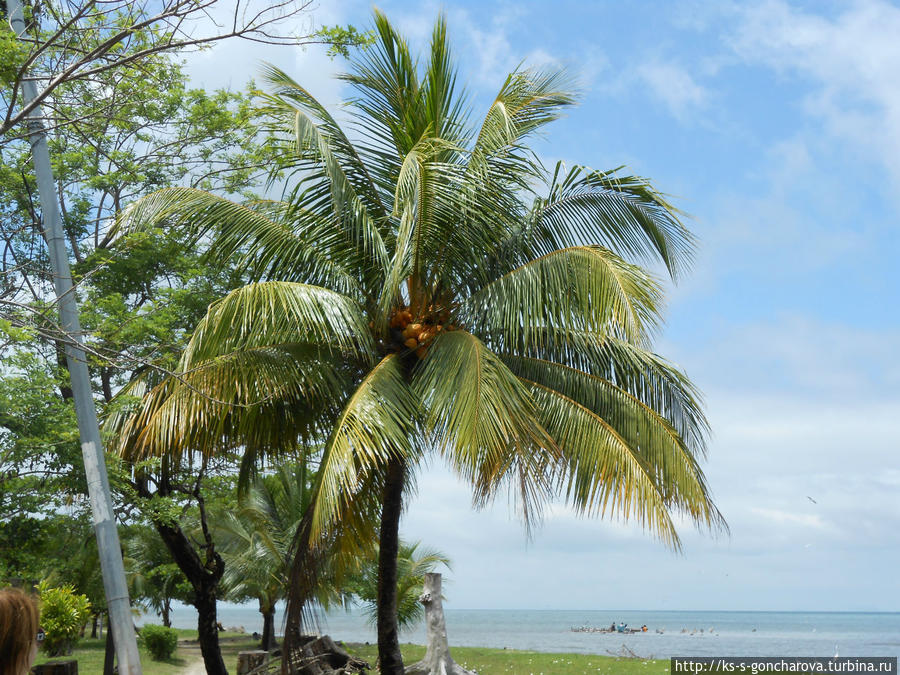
[
  {"x": 323, "y": 656},
  {"x": 437, "y": 659}
]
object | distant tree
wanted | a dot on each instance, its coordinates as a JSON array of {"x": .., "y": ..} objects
[
  {"x": 257, "y": 537},
  {"x": 156, "y": 580}
]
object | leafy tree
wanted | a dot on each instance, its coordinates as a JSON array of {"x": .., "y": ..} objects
[
  {"x": 140, "y": 302},
  {"x": 80, "y": 41},
  {"x": 419, "y": 290}
]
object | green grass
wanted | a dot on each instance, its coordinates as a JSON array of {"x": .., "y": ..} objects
[
  {"x": 513, "y": 662},
  {"x": 89, "y": 654}
]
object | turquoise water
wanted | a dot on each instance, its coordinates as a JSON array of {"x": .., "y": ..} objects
[{"x": 682, "y": 633}]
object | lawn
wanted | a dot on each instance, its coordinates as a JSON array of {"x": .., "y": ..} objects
[
  {"x": 485, "y": 661},
  {"x": 89, "y": 654},
  {"x": 513, "y": 662}
]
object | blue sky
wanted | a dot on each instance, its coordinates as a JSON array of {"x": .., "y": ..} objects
[{"x": 776, "y": 125}]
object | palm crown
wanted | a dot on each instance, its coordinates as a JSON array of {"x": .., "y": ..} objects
[{"x": 417, "y": 290}]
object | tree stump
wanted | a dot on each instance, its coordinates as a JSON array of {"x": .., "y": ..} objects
[
  {"x": 437, "y": 660},
  {"x": 56, "y": 668},
  {"x": 247, "y": 661}
]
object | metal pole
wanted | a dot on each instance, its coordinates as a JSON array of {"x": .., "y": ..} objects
[{"x": 91, "y": 447}]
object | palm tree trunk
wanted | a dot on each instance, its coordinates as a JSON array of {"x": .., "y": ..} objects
[
  {"x": 389, "y": 657},
  {"x": 268, "y": 634}
]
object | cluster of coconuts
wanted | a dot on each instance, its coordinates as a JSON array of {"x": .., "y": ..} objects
[{"x": 416, "y": 333}]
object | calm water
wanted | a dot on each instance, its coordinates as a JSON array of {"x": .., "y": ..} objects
[{"x": 683, "y": 633}]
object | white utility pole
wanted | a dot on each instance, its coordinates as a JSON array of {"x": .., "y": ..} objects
[{"x": 91, "y": 447}]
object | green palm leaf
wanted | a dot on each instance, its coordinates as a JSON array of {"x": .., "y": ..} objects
[
  {"x": 603, "y": 474},
  {"x": 624, "y": 213},
  {"x": 375, "y": 426},
  {"x": 261, "y": 398},
  {"x": 268, "y": 241},
  {"x": 482, "y": 420},
  {"x": 671, "y": 462},
  {"x": 276, "y": 312},
  {"x": 584, "y": 288}
]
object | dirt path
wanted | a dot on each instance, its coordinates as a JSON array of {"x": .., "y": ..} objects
[
  {"x": 190, "y": 652},
  {"x": 196, "y": 668}
]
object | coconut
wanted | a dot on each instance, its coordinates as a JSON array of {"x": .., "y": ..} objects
[
  {"x": 421, "y": 352},
  {"x": 412, "y": 343}
]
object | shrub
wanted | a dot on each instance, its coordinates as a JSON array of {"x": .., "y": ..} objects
[
  {"x": 63, "y": 613},
  {"x": 160, "y": 641}
]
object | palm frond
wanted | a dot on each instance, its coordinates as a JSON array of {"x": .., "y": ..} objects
[
  {"x": 375, "y": 425},
  {"x": 672, "y": 463},
  {"x": 528, "y": 100},
  {"x": 482, "y": 420},
  {"x": 286, "y": 89},
  {"x": 389, "y": 95},
  {"x": 261, "y": 235},
  {"x": 332, "y": 182},
  {"x": 259, "y": 399},
  {"x": 603, "y": 475},
  {"x": 637, "y": 371},
  {"x": 275, "y": 312},
  {"x": 624, "y": 213},
  {"x": 584, "y": 288},
  {"x": 444, "y": 109}
]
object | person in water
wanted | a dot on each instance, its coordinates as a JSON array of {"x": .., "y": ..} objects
[{"x": 18, "y": 632}]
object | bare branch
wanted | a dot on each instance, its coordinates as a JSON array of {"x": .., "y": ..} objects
[{"x": 93, "y": 37}]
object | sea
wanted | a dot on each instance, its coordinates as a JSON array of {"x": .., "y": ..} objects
[{"x": 669, "y": 633}]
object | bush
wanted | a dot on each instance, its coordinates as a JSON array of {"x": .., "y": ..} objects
[
  {"x": 160, "y": 641},
  {"x": 63, "y": 613}
]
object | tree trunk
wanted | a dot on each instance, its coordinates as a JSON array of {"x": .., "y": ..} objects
[
  {"x": 268, "y": 635},
  {"x": 208, "y": 631},
  {"x": 109, "y": 656},
  {"x": 203, "y": 573},
  {"x": 389, "y": 657},
  {"x": 94, "y": 626},
  {"x": 437, "y": 660},
  {"x": 166, "y": 611},
  {"x": 204, "y": 577}
]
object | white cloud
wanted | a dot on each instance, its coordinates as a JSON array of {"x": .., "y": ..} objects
[
  {"x": 674, "y": 86},
  {"x": 789, "y": 518},
  {"x": 853, "y": 59}
]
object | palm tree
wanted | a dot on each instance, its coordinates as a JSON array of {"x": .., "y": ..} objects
[
  {"x": 256, "y": 539},
  {"x": 413, "y": 562},
  {"x": 429, "y": 287},
  {"x": 256, "y": 543}
]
